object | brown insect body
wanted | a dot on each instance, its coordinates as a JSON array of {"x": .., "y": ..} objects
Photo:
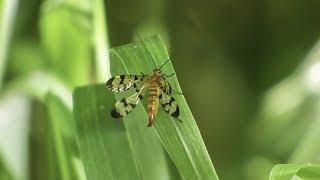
[{"x": 153, "y": 99}]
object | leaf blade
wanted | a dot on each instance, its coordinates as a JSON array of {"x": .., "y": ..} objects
[
  {"x": 287, "y": 171},
  {"x": 182, "y": 141},
  {"x": 98, "y": 134}
]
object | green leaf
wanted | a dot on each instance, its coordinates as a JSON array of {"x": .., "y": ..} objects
[
  {"x": 38, "y": 84},
  {"x": 4, "y": 170},
  {"x": 67, "y": 47},
  {"x": 134, "y": 148},
  {"x": 68, "y": 29},
  {"x": 288, "y": 171},
  {"x": 289, "y": 115},
  {"x": 182, "y": 141},
  {"x": 103, "y": 142},
  {"x": 7, "y": 18},
  {"x": 100, "y": 40},
  {"x": 309, "y": 172},
  {"x": 63, "y": 136},
  {"x": 307, "y": 150}
]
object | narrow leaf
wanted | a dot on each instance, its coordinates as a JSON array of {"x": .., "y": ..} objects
[
  {"x": 8, "y": 14},
  {"x": 288, "y": 171},
  {"x": 63, "y": 136},
  {"x": 104, "y": 146},
  {"x": 100, "y": 40},
  {"x": 182, "y": 141},
  {"x": 4, "y": 170},
  {"x": 66, "y": 46}
]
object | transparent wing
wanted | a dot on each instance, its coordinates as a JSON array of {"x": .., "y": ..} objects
[
  {"x": 126, "y": 105},
  {"x": 124, "y": 82},
  {"x": 169, "y": 104}
]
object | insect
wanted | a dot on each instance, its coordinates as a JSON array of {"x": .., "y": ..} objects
[{"x": 159, "y": 88}]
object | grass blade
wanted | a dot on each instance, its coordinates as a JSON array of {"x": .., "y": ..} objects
[
  {"x": 288, "y": 171},
  {"x": 103, "y": 142},
  {"x": 147, "y": 147},
  {"x": 138, "y": 146},
  {"x": 38, "y": 84},
  {"x": 288, "y": 111},
  {"x": 4, "y": 170},
  {"x": 308, "y": 148},
  {"x": 101, "y": 39},
  {"x": 8, "y": 12},
  {"x": 63, "y": 136},
  {"x": 66, "y": 45},
  {"x": 182, "y": 141},
  {"x": 107, "y": 145}
]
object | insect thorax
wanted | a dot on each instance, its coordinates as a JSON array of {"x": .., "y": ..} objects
[{"x": 157, "y": 72}]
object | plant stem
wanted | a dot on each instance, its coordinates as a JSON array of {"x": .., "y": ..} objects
[{"x": 8, "y": 14}]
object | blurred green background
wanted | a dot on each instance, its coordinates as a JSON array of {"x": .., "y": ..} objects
[{"x": 250, "y": 71}]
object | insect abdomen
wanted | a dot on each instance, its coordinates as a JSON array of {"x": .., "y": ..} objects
[{"x": 153, "y": 102}]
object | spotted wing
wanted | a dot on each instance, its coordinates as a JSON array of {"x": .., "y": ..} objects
[
  {"x": 169, "y": 104},
  {"x": 126, "y": 105},
  {"x": 164, "y": 85},
  {"x": 124, "y": 82}
]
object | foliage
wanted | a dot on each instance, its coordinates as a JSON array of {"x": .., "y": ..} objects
[
  {"x": 182, "y": 141},
  {"x": 288, "y": 171},
  {"x": 242, "y": 68}
]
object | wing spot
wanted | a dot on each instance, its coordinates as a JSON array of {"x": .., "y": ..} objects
[
  {"x": 115, "y": 114},
  {"x": 176, "y": 112},
  {"x": 109, "y": 83},
  {"x": 123, "y": 100},
  {"x": 171, "y": 100},
  {"x": 122, "y": 77}
]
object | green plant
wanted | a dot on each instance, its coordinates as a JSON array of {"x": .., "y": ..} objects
[
  {"x": 236, "y": 63},
  {"x": 289, "y": 171},
  {"x": 181, "y": 141}
]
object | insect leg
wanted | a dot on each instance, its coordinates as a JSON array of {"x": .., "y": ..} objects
[
  {"x": 175, "y": 91},
  {"x": 179, "y": 93},
  {"x": 170, "y": 75},
  {"x": 177, "y": 119},
  {"x": 165, "y": 63}
]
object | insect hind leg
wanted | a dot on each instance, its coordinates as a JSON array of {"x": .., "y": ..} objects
[
  {"x": 178, "y": 119},
  {"x": 175, "y": 91}
]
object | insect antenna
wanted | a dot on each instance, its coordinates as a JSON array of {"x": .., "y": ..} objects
[
  {"x": 165, "y": 63},
  {"x": 148, "y": 51}
]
